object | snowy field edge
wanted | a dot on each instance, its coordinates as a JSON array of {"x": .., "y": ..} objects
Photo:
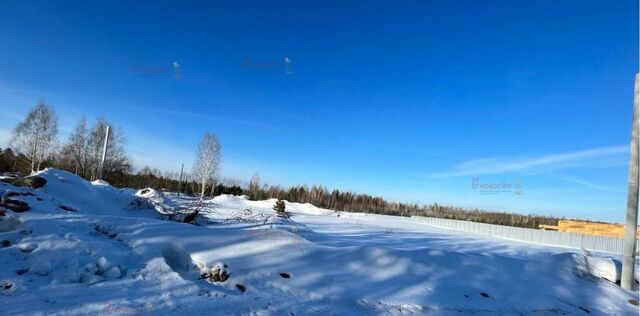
[{"x": 88, "y": 248}]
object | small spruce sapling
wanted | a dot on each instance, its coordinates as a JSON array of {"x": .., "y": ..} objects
[{"x": 279, "y": 207}]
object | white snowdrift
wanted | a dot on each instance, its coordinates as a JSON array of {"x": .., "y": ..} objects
[
  {"x": 158, "y": 201},
  {"x": 605, "y": 268},
  {"x": 108, "y": 257}
]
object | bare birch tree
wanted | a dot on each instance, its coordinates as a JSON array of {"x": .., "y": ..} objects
[
  {"x": 116, "y": 160},
  {"x": 76, "y": 150},
  {"x": 254, "y": 186},
  {"x": 35, "y": 137},
  {"x": 83, "y": 150},
  {"x": 207, "y": 161}
]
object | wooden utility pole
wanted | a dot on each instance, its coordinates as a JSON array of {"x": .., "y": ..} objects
[
  {"x": 180, "y": 182},
  {"x": 628, "y": 263},
  {"x": 104, "y": 154}
]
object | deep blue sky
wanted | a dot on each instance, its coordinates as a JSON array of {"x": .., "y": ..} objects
[{"x": 408, "y": 100}]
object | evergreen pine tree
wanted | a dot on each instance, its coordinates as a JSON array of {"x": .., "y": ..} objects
[{"x": 279, "y": 207}]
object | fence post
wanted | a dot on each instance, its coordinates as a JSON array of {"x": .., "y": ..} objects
[
  {"x": 630, "y": 229},
  {"x": 104, "y": 153},
  {"x": 180, "y": 181}
]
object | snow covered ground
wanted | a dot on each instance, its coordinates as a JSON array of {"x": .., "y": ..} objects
[{"x": 88, "y": 248}]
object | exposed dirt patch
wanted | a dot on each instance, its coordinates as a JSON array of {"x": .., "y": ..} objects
[
  {"x": 586, "y": 310},
  {"x": 191, "y": 217},
  {"x": 12, "y": 194},
  {"x": 216, "y": 275},
  {"x": 67, "y": 208},
  {"x": 33, "y": 182},
  {"x": 104, "y": 231},
  {"x": 14, "y": 205}
]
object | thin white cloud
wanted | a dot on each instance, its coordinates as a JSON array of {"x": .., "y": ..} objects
[
  {"x": 216, "y": 118},
  {"x": 28, "y": 91},
  {"x": 141, "y": 160},
  {"x": 585, "y": 183},
  {"x": 591, "y": 158},
  {"x": 11, "y": 115}
]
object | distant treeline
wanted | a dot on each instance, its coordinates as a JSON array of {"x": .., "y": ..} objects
[
  {"x": 36, "y": 146},
  {"x": 364, "y": 203},
  {"x": 316, "y": 195}
]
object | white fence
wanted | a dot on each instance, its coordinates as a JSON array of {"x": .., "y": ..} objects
[{"x": 546, "y": 237}]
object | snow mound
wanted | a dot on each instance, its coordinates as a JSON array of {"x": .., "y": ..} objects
[
  {"x": 99, "y": 182},
  {"x": 158, "y": 201},
  {"x": 248, "y": 216},
  {"x": 605, "y": 268},
  {"x": 228, "y": 199},
  {"x": 79, "y": 194},
  {"x": 307, "y": 208}
]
